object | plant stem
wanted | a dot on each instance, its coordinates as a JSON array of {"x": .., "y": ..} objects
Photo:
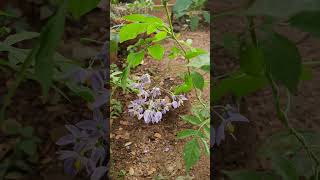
[
  {"x": 280, "y": 113},
  {"x": 184, "y": 51},
  {"x": 15, "y": 85},
  {"x": 284, "y": 119}
]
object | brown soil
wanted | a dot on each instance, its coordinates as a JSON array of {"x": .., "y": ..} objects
[
  {"x": 154, "y": 151},
  {"x": 304, "y": 114}
]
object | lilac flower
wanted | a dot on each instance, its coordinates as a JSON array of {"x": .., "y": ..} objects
[
  {"x": 177, "y": 100},
  {"x": 157, "y": 117},
  {"x": 150, "y": 106},
  {"x": 97, "y": 80},
  {"x": 98, "y": 173},
  {"x": 88, "y": 139},
  {"x": 231, "y": 117},
  {"x": 155, "y": 92},
  {"x": 104, "y": 53},
  {"x": 145, "y": 79},
  {"x": 147, "y": 116},
  {"x": 175, "y": 104},
  {"x": 138, "y": 86},
  {"x": 73, "y": 138},
  {"x": 101, "y": 98},
  {"x": 98, "y": 154},
  {"x": 77, "y": 75},
  {"x": 73, "y": 161},
  {"x": 97, "y": 126}
]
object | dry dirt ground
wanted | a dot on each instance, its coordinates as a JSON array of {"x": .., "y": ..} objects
[
  {"x": 304, "y": 114},
  {"x": 154, "y": 151}
]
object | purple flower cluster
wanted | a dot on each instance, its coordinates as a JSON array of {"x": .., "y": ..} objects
[
  {"x": 150, "y": 106},
  {"x": 87, "y": 140},
  {"x": 86, "y": 147}
]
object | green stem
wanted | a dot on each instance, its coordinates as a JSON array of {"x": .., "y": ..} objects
[
  {"x": 182, "y": 48},
  {"x": 280, "y": 113},
  {"x": 15, "y": 85}
]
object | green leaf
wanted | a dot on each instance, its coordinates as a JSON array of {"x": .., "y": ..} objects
[
  {"x": 181, "y": 6},
  {"x": 151, "y": 28},
  {"x": 284, "y": 168},
  {"x": 11, "y": 127},
  {"x": 49, "y": 40},
  {"x": 3, "y": 13},
  {"x": 143, "y": 18},
  {"x": 186, "y": 133},
  {"x": 306, "y": 21},
  {"x": 194, "y": 23},
  {"x": 231, "y": 42},
  {"x": 206, "y": 16},
  {"x": 15, "y": 38},
  {"x": 285, "y": 144},
  {"x": 26, "y": 132},
  {"x": 283, "y": 61},
  {"x": 134, "y": 59},
  {"x": 206, "y": 146},
  {"x": 80, "y": 7},
  {"x": 306, "y": 73},
  {"x": 125, "y": 77},
  {"x": 191, "y": 153},
  {"x": 185, "y": 87},
  {"x": 200, "y": 61},
  {"x": 175, "y": 52},
  {"x": 82, "y": 91},
  {"x": 131, "y": 31},
  {"x": 160, "y": 36},
  {"x": 195, "y": 53},
  {"x": 191, "y": 119},
  {"x": 207, "y": 131},
  {"x": 238, "y": 85},
  {"x": 156, "y": 51},
  {"x": 283, "y": 8},
  {"x": 198, "y": 80},
  {"x": 28, "y": 146},
  {"x": 249, "y": 174},
  {"x": 251, "y": 60}
]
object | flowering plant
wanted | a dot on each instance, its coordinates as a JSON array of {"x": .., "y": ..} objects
[
  {"x": 86, "y": 147},
  {"x": 150, "y": 106}
]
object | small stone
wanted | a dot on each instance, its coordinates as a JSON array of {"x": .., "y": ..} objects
[
  {"x": 144, "y": 160},
  {"x": 170, "y": 168},
  {"x": 131, "y": 171},
  {"x": 151, "y": 171},
  {"x": 179, "y": 165},
  {"x": 166, "y": 149},
  {"x": 125, "y": 123},
  {"x": 157, "y": 135},
  {"x": 128, "y": 144},
  {"x": 112, "y": 135}
]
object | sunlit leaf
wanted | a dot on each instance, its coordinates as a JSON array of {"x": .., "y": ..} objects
[
  {"x": 191, "y": 119},
  {"x": 156, "y": 51},
  {"x": 191, "y": 153},
  {"x": 198, "y": 80}
]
